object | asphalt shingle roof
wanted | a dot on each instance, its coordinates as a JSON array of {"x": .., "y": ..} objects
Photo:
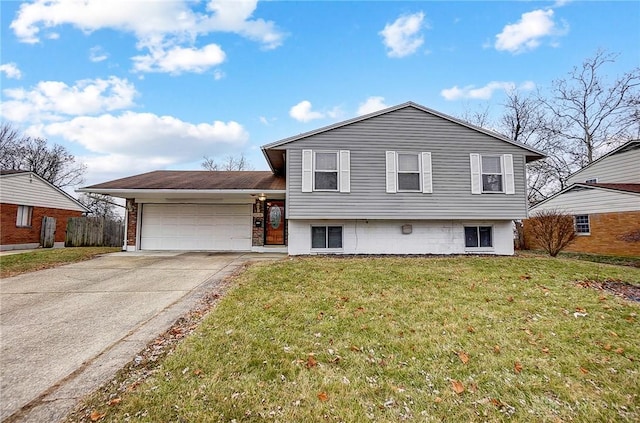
[{"x": 198, "y": 179}]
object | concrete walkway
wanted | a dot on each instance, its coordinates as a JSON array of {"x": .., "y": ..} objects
[{"x": 67, "y": 330}]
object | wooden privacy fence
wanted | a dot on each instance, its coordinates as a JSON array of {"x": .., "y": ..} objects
[{"x": 94, "y": 232}]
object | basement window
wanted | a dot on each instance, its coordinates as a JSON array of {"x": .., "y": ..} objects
[
  {"x": 326, "y": 237},
  {"x": 478, "y": 237}
]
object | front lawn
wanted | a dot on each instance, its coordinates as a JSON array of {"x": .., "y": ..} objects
[{"x": 392, "y": 339}]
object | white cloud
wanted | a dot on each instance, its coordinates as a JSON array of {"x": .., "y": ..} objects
[
  {"x": 483, "y": 93},
  {"x": 146, "y": 136},
  {"x": 218, "y": 74},
  {"x": 302, "y": 112},
  {"x": 97, "y": 54},
  {"x": 177, "y": 60},
  {"x": 527, "y": 33},
  {"x": 402, "y": 37},
  {"x": 11, "y": 71},
  {"x": 370, "y": 105},
  {"x": 167, "y": 28},
  {"x": 52, "y": 100}
]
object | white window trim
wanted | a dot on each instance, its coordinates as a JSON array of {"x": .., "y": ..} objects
[
  {"x": 337, "y": 171},
  {"x": 482, "y": 173},
  {"x": 20, "y": 217},
  {"x": 575, "y": 224},
  {"x": 425, "y": 172},
  {"x": 419, "y": 171},
  {"x": 506, "y": 164},
  {"x": 327, "y": 226},
  {"x": 343, "y": 171},
  {"x": 478, "y": 226}
]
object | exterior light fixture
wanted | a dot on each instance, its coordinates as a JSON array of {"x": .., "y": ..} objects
[{"x": 262, "y": 197}]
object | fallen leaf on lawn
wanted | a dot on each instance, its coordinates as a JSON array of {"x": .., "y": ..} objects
[
  {"x": 473, "y": 286},
  {"x": 197, "y": 372},
  {"x": 267, "y": 306},
  {"x": 581, "y": 310},
  {"x": 457, "y": 386},
  {"x": 497, "y": 403},
  {"x": 463, "y": 357},
  {"x": 496, "y": 349},
  {"x": 619, "y": 350},
  {"x": 510, "y": 299},
  {"x": 115, "y": 401},
  {"x": 320, "y": 316},
  {"x": 473, "y": 388},
  {"x": 613, "y": 333},
  {"x": 437, "y": 400},
  {"x": 583, "y": 370},
  {"x": 96, "y": 415},
  {"x": 545, "y": 350},
  {"x": 355, "y": 349},
  {"x": 322, "y": 396},
  {"x": 517, "y": 367},
  {"x": 470, "y": 329},
  {"x": 311, "y": 362},
  {"x": 525, "y": 277},
  {"x": 607, "y": 347}
]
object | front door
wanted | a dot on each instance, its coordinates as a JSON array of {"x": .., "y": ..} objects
[{"x": 274, "y": 222}]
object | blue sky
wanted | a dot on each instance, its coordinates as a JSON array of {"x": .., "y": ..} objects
[{"x": 132, "y": 86}]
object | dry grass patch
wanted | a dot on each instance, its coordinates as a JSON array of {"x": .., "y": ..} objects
[
  {"x": 391, "y": 339},
  {"x": 15, "y": 264}
]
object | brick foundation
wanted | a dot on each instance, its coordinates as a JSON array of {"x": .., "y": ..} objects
[
  {"x": 10, "y": 234},
  {"x": 606, "y": 230}
]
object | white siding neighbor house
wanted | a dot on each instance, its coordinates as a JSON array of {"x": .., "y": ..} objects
[
  {"x": 404, "y": 180},
  {"x": 604, "y": 198}
]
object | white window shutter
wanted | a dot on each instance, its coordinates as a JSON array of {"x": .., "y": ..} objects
[
  {"x": 509, "y": 184},
  {"x": 427, "y": 187},
  {"x": 345, "y": 171},
  {"x": 307, "y": 171},
  {"x": 476, "y": 180},
  {"x": 391, "y": 172}
]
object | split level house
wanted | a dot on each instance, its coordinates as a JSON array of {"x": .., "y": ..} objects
[
  {"x": 26, "y": 200},
  {"x": 604, "y": 198},
  {"x": 404, "y": 180}
]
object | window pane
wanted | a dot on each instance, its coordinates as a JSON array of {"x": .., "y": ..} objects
[
  {"x": 471, "y": 236},
  {"x": 326, "y": 161},
  {"x": 326, "y": 180},
  {"x": 408, "y": 163},
  {"x": 318, "y": 237},
  {"x": 409, "y": 181},
  {"x": 491, "y": 165},
  {"x": 485, "y": 236},
  {"x": 492, "y": 183},
  {"x": 582, "y": 224},
  {"x": 335, "y": 236}
]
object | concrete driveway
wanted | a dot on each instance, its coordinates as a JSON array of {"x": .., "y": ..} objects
[{"x": 65, "y": 331}]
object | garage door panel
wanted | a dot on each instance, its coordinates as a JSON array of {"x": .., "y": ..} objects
[{"x": 196, "y": 227}]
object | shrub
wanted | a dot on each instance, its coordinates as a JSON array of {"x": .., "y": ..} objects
[{"x": 553, "y": 230}]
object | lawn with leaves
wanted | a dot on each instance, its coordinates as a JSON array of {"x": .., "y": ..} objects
[
  {"x": 392, "y": 339},
  {"x": 15, "y": 264}
]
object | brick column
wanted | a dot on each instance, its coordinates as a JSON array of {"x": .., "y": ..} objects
[
  {"x": 257, "y": 239},
  {"x": 132, "y": 221}
]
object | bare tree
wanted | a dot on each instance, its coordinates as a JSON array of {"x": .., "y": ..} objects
[
  {"x": 53, "y": 163},
  {"x": 552, "y": 230},
  {"x": 480, "y": 116},
  {"x": 100, "y": 205},
  {"x": 230, "y": 163},
  {"x": 592, "y": 113}
]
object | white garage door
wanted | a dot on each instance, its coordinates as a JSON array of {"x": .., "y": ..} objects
[{"x": 196, "y": 227}]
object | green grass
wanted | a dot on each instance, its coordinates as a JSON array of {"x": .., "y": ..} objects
[
  {"x": 15, "y": 264},
  {"x": 383, "y": 339}
]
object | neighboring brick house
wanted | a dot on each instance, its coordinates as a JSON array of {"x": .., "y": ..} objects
[
  {"x": 604, "y": 198},
  {"x": 25, "y": 199}
]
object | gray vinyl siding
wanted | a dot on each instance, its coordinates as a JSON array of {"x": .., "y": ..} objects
[
  {"x": 618, "y": 168},
  {"x": 405, "y": 130},
  {"x": 27, "y": 190}
]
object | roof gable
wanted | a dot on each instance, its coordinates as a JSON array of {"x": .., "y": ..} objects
[
  {"x": 276, "y": 160},
  {"x": 633, "y": 189},
  {"x": 628, "y": 146},
  {"x": 27, "y": 188}
]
